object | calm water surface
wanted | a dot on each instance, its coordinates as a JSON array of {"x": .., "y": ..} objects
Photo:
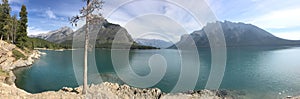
[{"x": 254, "y": 72}]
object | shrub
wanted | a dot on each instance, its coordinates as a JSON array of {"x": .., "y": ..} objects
[{"x": 17, "y": 54}]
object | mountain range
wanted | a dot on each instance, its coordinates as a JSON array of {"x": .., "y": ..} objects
[
  {"x": 235, "y": 34},
  {"x": 154, "y": 42},
  {"x": 102, "y": 32},
  {"x": 56, "y": 36}
]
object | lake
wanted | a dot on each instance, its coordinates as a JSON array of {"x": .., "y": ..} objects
[{"x": 257, "y": 72}]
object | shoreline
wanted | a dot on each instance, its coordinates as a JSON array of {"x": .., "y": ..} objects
[
  {"x": 107, "y": 90},
  {"x": 21, "y": 64},
  {"x": 52, "y": 49},
  {"x": 103, "y": 90}
]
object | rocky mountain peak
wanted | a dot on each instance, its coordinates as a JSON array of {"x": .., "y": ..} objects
[{"x": 55, "y": 35}]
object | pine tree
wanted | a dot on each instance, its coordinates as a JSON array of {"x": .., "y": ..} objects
[
  {"x": 4, "y": 19},
  {"x": 22, "y": 28},
  {"x": 7, "y": 28}
]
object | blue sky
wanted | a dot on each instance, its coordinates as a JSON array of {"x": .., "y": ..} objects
[{"x": 281, "y": 18}]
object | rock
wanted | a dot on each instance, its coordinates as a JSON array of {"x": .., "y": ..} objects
[
  {"x": 78, "y": 89},
  {"x": 30, "y": 60},
  {"x": 288, "y": 96},
  {"x": 67, "y": 89},
  {"x": 222, "y": 93},
  {"x": 7, "y": 60},
  {"x": 42, "y": 53},
  {"x": 108, "y": 91},
  {"x": 10, "y": 79}
]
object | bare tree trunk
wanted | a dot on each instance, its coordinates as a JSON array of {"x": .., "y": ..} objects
[
  {"x": 14, "y": 33},
  {"x": 85, "y": 79},
  {"x": 13, "y": 38},
  {"x": 8, "y": 37}
]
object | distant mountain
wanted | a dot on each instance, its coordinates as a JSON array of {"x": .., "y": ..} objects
[
  {"x": 56, "y": 36},
  {"x": 154, "y": 43},
  {"x": 103, "y": 31},
  {"x": 236, "y": 34}
]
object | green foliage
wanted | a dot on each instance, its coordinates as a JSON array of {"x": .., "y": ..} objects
[
  {"x": 40, "y": 43},
  {"x": 137, "y": 46},
  {"x": 18, "y": 55},
  {"x": 22, "y": 42},
  {"x": 15, "y": 30},
  {"x": 22, "y": 29},
  {"x": 4, "y": 19},
  {"x": 12, "y": 29}
]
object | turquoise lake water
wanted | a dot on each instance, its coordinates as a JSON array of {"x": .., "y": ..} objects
[{"x": 256, "y": 72}]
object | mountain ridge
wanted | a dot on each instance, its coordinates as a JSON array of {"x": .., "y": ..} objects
[
  {"x": 55, "y": 35},
  {"x": 236, "y": 35},
  {"x": 154, "y": 43},
  {"x": 102, "y": 35}
]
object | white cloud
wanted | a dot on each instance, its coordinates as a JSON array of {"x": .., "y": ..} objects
[
  {"x": 279, "y": 19},
  {"x": 132, "y": 13},
  {"x": 36, "y": 31},
  {"x": 15, "y": 8},
  {"x": 155, "y": 26},
  {"x": 16, "y": 1},
  {"x": 50, "y": 14}
]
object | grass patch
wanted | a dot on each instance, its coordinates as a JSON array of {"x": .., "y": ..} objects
[
  {"x": 18, "y": 55},
  {"x": 3, "y": 73}
]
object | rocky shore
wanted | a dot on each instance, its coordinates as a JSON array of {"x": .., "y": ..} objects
[
  {"x": 8, "y": 62},
  {"x": 108, "y": 90}
]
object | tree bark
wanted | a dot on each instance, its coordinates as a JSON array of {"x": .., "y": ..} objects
[
  {"x": 85, "y": 67},
  {"x": 8, "y": 37}
]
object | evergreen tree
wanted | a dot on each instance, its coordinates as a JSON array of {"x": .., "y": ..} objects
[
  {"x": 4, "y": 19},
  {"x": 7, "y": 28},
  {"x": 22, "y": 28}
]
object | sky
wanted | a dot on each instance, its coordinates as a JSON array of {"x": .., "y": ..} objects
[{"x": 168, "y": 19}]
